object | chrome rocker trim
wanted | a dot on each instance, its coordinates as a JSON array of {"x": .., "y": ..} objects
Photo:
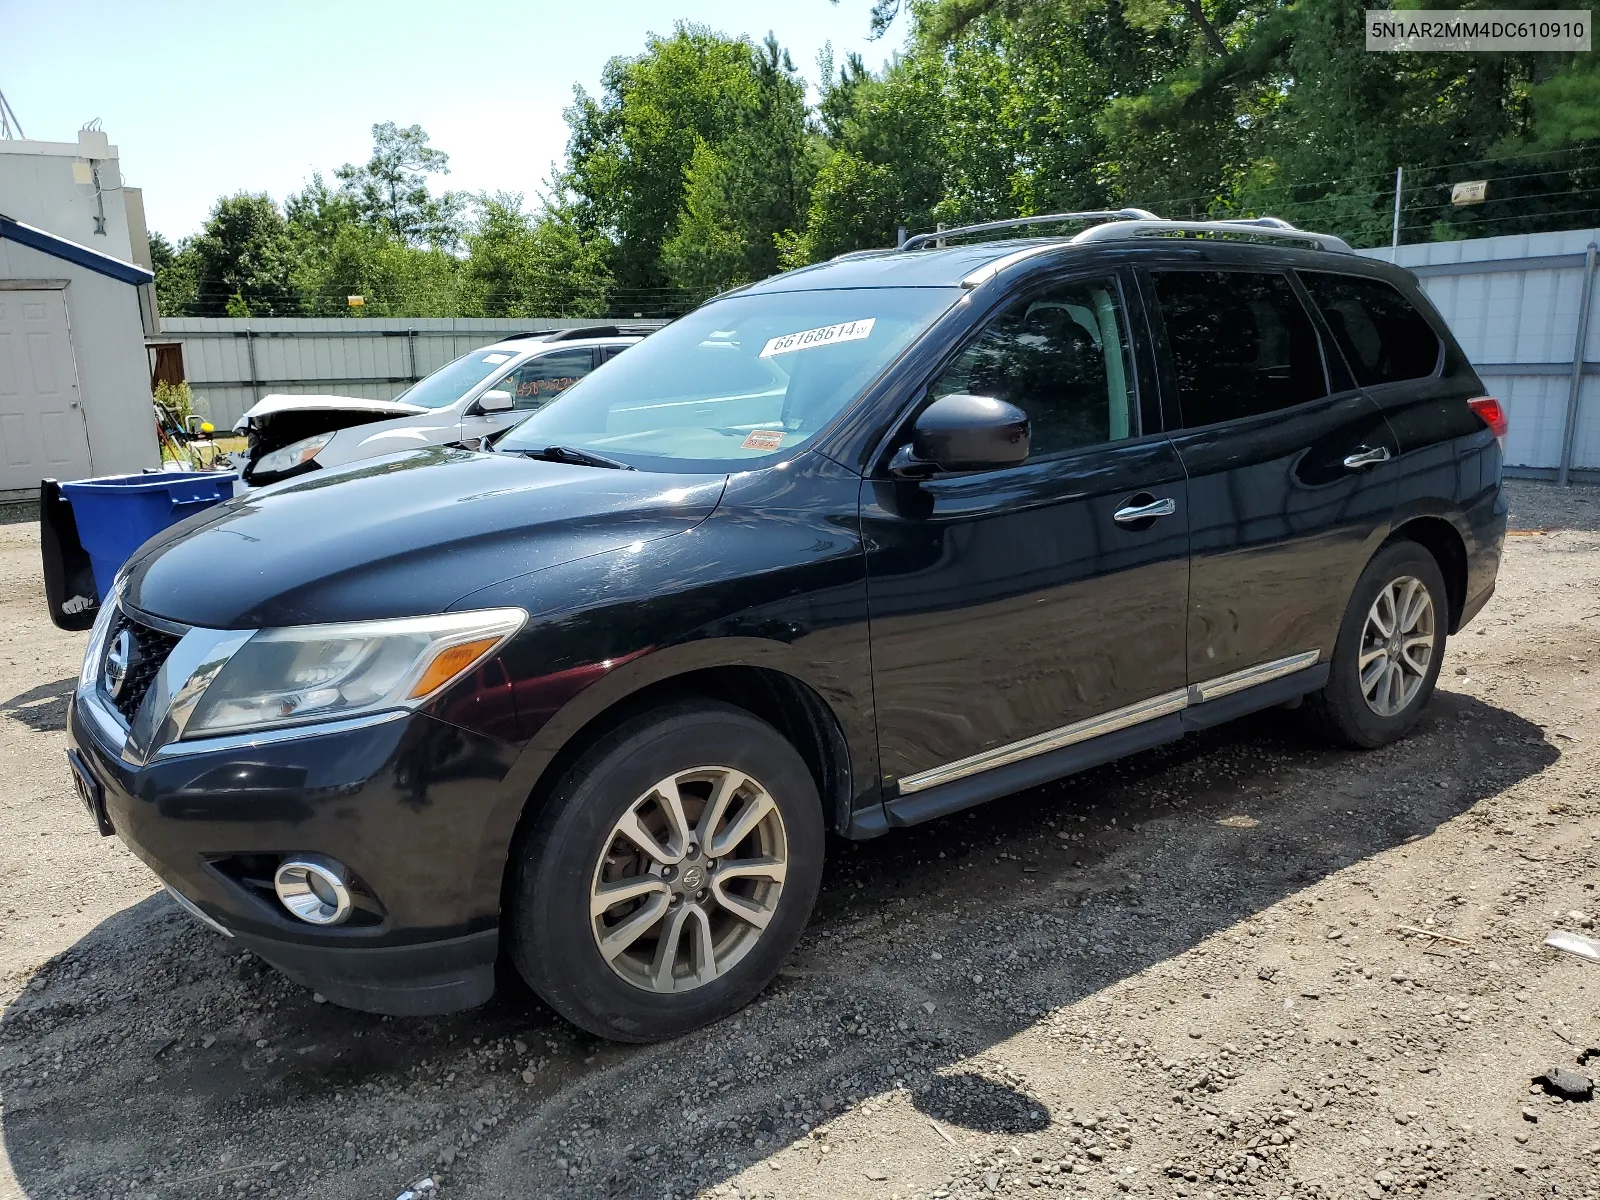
[{"x": 1118, "y": 718}]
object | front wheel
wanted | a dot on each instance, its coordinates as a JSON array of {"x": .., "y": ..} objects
[
  {"x": 669, "y": 875},
  {"x": 1390, "y": 647}
]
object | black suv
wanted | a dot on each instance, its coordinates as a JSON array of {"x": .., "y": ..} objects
[{"x": 855, "y": 547}]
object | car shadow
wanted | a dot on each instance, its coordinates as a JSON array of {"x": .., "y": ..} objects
[
  {"x": 42, "y": 708},
  {"x": 153, "y": 1052}
]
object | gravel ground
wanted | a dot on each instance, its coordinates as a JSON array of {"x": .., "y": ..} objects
[{"x": 1244, "y": 965}]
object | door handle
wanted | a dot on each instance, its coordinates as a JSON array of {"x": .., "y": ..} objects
[
  {"x": 1367, "y": 458},
  {"x": 1129, "y": 514}
]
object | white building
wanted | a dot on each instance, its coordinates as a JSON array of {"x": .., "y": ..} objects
[
  {"x": 75, "y": 307},
  {"x": 75, "y": 190}
]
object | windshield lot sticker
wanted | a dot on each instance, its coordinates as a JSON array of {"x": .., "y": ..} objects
[
  {"x": 496, "y": 358},
  {"x": 763, "y": 439},
  {"x": 828, "y": 335}
]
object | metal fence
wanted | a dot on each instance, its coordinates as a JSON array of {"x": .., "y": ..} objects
[
  {"x": 1524, "y": 309},
  {"x": 231, "y": 363},
  {"x": 1523, "y": 306}
]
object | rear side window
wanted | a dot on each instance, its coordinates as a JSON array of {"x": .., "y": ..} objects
[
  {"x": 1384, "y": 338},
  {"x": 1241, "y": 344}
]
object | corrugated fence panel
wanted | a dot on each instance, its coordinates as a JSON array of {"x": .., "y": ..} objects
[
  {"x": 1513, "y": 303},
  {"x": 1586, "y": 438},
  {"x": 232, "y": 362}
]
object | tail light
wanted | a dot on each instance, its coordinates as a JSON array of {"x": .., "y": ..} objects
[{"x": 1493, "y": 414}]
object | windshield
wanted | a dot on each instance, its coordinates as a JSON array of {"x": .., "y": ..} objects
[
  {"x": 453, "y": 381},
  {"x": 737, "y": 379}
]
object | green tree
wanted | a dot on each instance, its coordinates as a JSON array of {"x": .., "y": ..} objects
[
  {"x": 390, "y": 192},
  {"x": 394, "y": 279},
  {"x": 1218, "y": 107},
  {"x": 888, "y": 161},
  {"x": 1565, "y": 106},
  {"x": 631, "y": 149},
  {"x": 175, "y": 276},
  {"x": 244, "y": 260},
  {"x": 748, "y": 194},
  {"x": 532, "y": 265}
]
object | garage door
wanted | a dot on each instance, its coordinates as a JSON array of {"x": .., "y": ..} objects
[{"x": 41, "y": 423}]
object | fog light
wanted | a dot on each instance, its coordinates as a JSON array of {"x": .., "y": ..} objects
[{"x": 314, "y": 888}]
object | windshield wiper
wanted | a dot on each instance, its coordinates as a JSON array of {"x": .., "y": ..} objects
[{"x": 569, "y": 454}]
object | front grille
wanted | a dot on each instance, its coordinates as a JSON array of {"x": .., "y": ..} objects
[{"x": 148, "y": 650}]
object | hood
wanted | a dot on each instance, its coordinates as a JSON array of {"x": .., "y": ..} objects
[
  {"x": 376, "y": 410},
  {"x": 401, "y": 535}
]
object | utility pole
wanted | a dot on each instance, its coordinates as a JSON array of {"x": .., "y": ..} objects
[
  {"x": 1394, "y": 242},
  {"x": 10, "y": 127}
]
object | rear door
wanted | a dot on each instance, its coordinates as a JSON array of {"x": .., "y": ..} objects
[
  {"x": 42, "y": 432},
  {"x": 1448, "y": 462},
  {"x": 1400, "y": 361},
  {"x": 1017, "y": 602},
  {"x": 1291, "y": 472}
]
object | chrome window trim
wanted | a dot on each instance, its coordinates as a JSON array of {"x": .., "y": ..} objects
[{"x": 1109, "y": 722}]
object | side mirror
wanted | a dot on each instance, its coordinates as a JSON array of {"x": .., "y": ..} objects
[
  {"x": 496, "y": 400},
  {"x": 964, "y": 433}
]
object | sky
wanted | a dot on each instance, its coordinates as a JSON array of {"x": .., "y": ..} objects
[{"x": 206, "y": 99}]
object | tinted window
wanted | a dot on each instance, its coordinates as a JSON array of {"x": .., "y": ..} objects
[
  {"x": 1062, "y": 358},
  {"x": 1383, "y": 337},
  {"x": 1241, "y": 344},
  {"x": 536, "y": 382}
]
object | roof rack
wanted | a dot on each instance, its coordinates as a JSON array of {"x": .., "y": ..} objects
[
  {"x": 1117, "y": 224},
  {"x": 917, "y": 241},
  {"x": 582, "y": 331},
  {"x": 588, "y": 331},
  {"x": 1267, "y": 227}
]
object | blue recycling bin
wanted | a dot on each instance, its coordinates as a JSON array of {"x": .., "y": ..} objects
[{"x": 117, "y": 514}]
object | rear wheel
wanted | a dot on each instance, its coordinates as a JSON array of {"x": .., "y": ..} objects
[
  {"x": 670, "y": 874},
  {"x": 1391, "y": 644}
]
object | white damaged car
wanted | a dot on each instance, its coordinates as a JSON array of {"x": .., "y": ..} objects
[{"x": 476, "y": 396}]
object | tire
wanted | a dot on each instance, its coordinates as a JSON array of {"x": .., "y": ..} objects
[
  {"x": 1342, "y": 711},
  {"x": 576, "y": 847}
]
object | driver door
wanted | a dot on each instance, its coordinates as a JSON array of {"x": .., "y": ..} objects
[{"x": 1018, "y": 602}]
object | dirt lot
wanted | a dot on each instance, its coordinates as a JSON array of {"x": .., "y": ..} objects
[{"x": 1245, "y": 965}]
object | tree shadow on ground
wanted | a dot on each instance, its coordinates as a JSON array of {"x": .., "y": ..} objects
[
  {"x": 42, "y": 708},
  {"x": 178, "y": 1056}
]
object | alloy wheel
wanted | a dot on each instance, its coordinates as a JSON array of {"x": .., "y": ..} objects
[
  {"x": 688, "y": 879},
  {"x": 1397, "y": 646}
]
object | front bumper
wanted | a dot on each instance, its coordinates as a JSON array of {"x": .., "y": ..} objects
[{"x": 412, "y": 804}]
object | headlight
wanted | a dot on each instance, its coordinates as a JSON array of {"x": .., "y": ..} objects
[
  {"x": 326, "y": 672},
  {"x": 98, "y": 632},
  {"x": 296, "y": 454}
]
